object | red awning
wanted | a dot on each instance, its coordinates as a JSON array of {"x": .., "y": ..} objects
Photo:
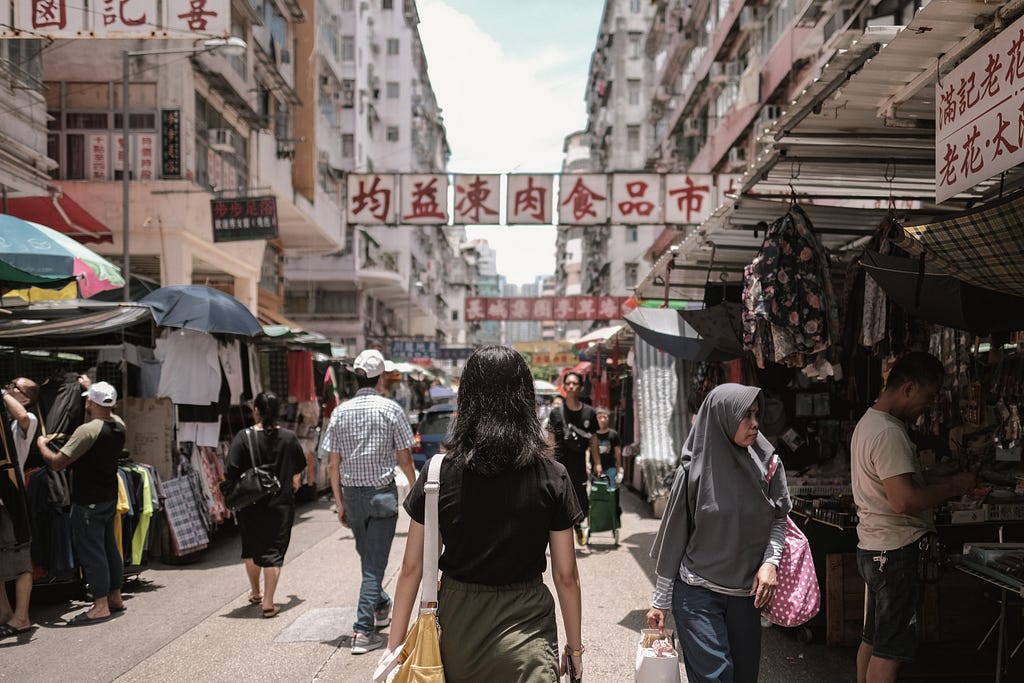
[{"x": 63, "y": 214}]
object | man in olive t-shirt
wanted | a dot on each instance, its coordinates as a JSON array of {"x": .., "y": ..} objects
[
  {"x": 92, "y": 453},
  {"x": 894, "y": 502}
]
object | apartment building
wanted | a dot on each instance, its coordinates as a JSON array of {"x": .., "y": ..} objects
[
  {"x": 370, "y": 107},
  {"x": 522, "y": 330},
  {"x": 24, "y": 166}
]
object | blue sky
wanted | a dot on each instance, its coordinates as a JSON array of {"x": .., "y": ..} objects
[{"x": 510, "y": 76}]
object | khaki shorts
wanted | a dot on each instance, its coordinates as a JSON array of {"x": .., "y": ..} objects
[{"x": 15, "y": 559}]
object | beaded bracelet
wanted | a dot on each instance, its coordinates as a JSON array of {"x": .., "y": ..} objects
[{"x": 569, "y": 650}]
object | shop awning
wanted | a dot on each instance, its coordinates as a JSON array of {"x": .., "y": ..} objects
[
  {"x": 63, "y": 214},
  {"x": 92, "y": 324},
  {"x": 982, "y": 247},
  {"x": 598, "y": 336}
]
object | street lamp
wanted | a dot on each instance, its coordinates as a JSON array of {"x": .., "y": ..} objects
[{"x": 231, "y": 47}]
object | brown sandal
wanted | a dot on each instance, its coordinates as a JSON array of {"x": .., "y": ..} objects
[{"x": 271, "y": 613}]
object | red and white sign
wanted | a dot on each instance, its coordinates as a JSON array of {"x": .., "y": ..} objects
[
  {"x": 98, "y": 160},
  {"x": 371, "y": 199},
  {"x": 477, "y": 199},
  {"x": 529, "y": 199},
  {"x": 424, "y": 199},
  {"x": 146, "y": 155},
  {"x": 546, "y": 308},
  {"x": 583, "y": 199},
  {"x": 636, "y": 198},
  {"x": 979, "y": 115},
  {"x": 116, "y": 19},
  {"x": 476, "y": 308},
  {"x": 689, "y": 198},
  {"x": 520, "y": 308}
]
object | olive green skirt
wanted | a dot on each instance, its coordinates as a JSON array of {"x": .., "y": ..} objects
[{"x": 498, "y": 634}]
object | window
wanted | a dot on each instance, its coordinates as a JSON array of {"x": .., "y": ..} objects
[
  {"x": 634, "y": 45},
  {"x": 631, "y": 274},
  {"x": 632, "y": 138},
  {"x": 348, "y": 5},
  {"x": 634, "y": 6},
  {"x": 348, "y": 48},
  {"x": 347, "y": 145},
  {"x": 393, "y": 45},
  {"x": 387, "y": 4},
  {"x": 632, "y": 234},
  {"x": 342, "y": 303},
  {"x": 633, "y": 91},
  {"x": 455, "y": 316},
  {"x": 392, "y": 90},
  {"x": 392, "y": 134}
]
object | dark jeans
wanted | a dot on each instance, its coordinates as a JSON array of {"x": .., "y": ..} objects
[
  {"x": 92, "y": 528},
  {"x": 893, "y": 612},
  {"x": 720, "y": 635},
  {"x": 373, "y": 515}
]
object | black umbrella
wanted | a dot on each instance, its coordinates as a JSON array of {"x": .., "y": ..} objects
[
  {"x": 197, "y": 307},
  {"x": 938, "y": 297},
  {"x": 722, "y": 325},
  {"x": 665, "y": 329}
]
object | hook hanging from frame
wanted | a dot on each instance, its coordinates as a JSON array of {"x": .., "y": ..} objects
[
  {"x": 889, "y": 175},
  {"x": 794, "y": 174}
]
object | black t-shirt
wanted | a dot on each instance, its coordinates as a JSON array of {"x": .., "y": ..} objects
[
  {"x": 606, "y": 445},
  {"x": 495, "y": 529},
  {"x": 283, "y": 450},
  {"x": 571, "y": 445}
]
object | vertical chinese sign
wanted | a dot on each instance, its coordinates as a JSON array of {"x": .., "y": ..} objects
[
  {"x": 97, "y": 156},
  {"x": 477, "y": 199},
  {"x": 170, "y": 143},
  {"x": 371, "y": 199},
  {"x": 583, "y": 199},
  {"x": 146, "y": 145},
  {"x": 979, "y": 115},
  {"x": 529, "y": 199}
]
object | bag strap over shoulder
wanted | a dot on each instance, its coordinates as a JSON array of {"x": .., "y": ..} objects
[
  {"x": 252, "y": 449},
  {"x": 431, "y": 534},
  {"x": 772, "y": 466}
]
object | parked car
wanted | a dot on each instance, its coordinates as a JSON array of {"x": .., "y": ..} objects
[{"x": 433, "y": 429}]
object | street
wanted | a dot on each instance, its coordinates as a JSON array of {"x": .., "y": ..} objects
[{"x": 193, "y": 622}]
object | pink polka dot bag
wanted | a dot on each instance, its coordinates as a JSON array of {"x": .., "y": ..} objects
[{"x": 797, "y": 596}]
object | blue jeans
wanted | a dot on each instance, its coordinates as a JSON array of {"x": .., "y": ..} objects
[
  {"x": 373, "y": 515},
  {"x": 92, "y": 528},
  {"x": 720, "y": 635}
]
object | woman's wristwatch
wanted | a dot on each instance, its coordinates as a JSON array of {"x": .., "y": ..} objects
[{"x": 573, "y": 652}]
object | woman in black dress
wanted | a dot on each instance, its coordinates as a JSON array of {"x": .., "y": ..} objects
[{"x": 266, "y": 526}]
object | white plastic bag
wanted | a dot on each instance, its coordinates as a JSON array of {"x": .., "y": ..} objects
[{"x": 657, "y": 660}]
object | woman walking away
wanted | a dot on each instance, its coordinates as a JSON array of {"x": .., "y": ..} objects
[
  {"x": 266, "y": 526},
  {"x": 503, "y": 502},
  {"x": 721, "y": 539}
]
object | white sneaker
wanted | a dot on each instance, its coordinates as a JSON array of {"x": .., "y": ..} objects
[{"x": 365, "y": 642}]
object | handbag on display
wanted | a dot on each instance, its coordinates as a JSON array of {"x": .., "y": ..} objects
[
  {"x": 797, "y": 596},
  {"x": 255, "y": 484},
  {"x": 418, "y": 660}
]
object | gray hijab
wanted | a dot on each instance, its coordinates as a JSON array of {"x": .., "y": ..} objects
[{"x": 721, "y": 509}]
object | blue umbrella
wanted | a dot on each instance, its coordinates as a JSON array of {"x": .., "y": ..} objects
[{"x": 201, "y": 308}]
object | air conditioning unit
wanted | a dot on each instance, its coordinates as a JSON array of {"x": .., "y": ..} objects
[
  {"x": 691, "y": 127},
  {"x": 662, "y": 94},
  {"x": 222, "y": 139}
]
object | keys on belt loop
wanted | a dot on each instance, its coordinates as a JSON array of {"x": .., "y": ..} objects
[{"x": 881, "y": 559}]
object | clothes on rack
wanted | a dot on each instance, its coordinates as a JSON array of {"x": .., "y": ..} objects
[
  {"x": 301, "y": 385},
  {"x": 191, "y": 367}
]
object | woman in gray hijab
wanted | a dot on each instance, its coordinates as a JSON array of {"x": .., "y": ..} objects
[{"x": 721, "y": 539}]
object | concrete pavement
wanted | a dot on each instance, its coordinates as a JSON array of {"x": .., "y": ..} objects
[{"x": 193, "y": 622}]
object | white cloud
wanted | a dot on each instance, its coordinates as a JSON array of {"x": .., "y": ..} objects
[{"x": 502, "y": 114}]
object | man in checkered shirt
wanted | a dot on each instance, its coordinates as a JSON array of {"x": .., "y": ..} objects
[{"x": 367, "y": 436}]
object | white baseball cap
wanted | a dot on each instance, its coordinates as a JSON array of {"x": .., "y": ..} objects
[
  {"x": 102, "y": 394},
  {"x": 371, "y": 362}
]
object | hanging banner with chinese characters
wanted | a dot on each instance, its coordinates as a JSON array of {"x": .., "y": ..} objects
[
  {"x": 254, "y": 218},
  {"x": 546, "y": 308},
  {"x": 97, "y": 156},
  {"x": 582, "y": 199},
  {"x": 979, "y": 115},
  {"x": 116, "y": 19},
  {"x": 170, "y": 143}
]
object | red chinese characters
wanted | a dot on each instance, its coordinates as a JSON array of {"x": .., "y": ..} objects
[
  {"x": 636, "y": 198},
  {"x": 425, "y": 199},
  {"x": 476, "y": 308},
  {"x": 370, "y": 199},
  {"x": 529, "y": 199},
  {"x": 97, "y": 157},
  {"x": 583, "y": 199},
  {"x": 476, "y": 199},
  {"x": 688, "y": 198},
  {"x": 116, "y": 13},
  {"x": 519, "y": 308}
]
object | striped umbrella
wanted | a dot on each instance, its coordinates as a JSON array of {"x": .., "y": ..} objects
[{"x": 37, "y": 256}]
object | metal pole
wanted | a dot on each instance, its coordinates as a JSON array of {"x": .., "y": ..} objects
[{"x": 126, "y": 267}]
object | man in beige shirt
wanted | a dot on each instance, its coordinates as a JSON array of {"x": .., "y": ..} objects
[{"x": 894, "y": 502}]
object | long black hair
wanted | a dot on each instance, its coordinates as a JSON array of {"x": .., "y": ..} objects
[
  {"x": 269, "y": 408},
  {"x": 497, "y": 428}
]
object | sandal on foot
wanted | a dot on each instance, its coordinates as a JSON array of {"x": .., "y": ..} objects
[
  {"x": 84, "y": 619},
  {"x": 119, "y": 608},
  {"x": 255, "y": 599},
  {"x": 8, "y": 631},
  {"x": 271, "y": 613}
]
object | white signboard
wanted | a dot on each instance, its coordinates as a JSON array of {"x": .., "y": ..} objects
[
  {"x": 371, "y": 199},
  {"x": 116, "y": 19},
  {"x": 477, "y": 199},
  {"x": 636, "y": 198},
  {"x": 424, "y": 199},
  {"x": 689, "y": 198},
  {"x": 979, "y": 115},
  {"x": 529, "y": 199},
  {"x": 145, "y": 155},
  {"x": 583, "y": 199},
  {"x": 97, "y": 156}
]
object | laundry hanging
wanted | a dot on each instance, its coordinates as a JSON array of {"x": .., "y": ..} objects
[{"x": 789, "y": 309}]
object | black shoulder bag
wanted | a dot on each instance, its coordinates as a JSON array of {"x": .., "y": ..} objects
[{"x": 256, "y": 483}]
